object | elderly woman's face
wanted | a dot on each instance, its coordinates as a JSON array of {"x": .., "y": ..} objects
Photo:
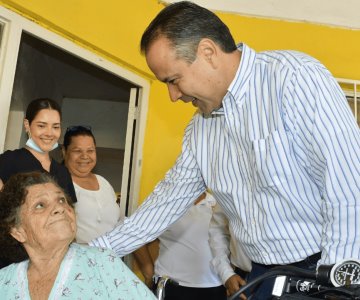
[{"x": 45, "y": 217}]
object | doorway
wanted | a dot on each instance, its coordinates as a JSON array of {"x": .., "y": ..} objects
[
  {"x": 88, "y": 96},
  {"x": 91, "y": 91}
]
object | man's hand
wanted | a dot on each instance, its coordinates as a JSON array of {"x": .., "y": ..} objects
[{"x": 233, "y": 284}]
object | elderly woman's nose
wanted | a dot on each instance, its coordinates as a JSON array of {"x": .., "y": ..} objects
[{"x": 58, "y": 208}]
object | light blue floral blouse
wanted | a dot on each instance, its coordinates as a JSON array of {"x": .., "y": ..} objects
[{"x": 85, "y": 273}]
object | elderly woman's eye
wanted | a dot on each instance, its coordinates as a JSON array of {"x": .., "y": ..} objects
[
  {"x": 62, "y": 200},
  {"x": 39, "y": 205}
]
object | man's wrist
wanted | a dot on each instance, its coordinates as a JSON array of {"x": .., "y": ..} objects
[{"x": 100, "y": 242}]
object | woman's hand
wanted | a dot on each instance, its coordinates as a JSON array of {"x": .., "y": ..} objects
[{"x": 233, "y": 284}]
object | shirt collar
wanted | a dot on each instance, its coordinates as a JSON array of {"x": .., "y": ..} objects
[{"x": 239, "y": 85}]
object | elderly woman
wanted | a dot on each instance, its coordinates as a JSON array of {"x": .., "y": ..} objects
[{"x": 38, "y": 226}]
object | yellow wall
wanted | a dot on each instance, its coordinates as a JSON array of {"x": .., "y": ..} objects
[
  {"x": 113, "y": 29},
  {"x": 338, "y": 49}
]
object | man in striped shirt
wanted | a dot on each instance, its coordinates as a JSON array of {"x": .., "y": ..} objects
[{"x": 274, "y": 140}]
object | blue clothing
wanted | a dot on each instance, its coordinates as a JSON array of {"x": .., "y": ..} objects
[
  {"x": 280, "y": 157},
  {"x": 263, "y": 291},
  {"x": 85, "y": 273}
]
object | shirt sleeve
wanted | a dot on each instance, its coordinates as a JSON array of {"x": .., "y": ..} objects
[
  {"x": 169, "y": 200},
  {"x": 327, "y": 141},
  {"x": 219, "y": 239}
]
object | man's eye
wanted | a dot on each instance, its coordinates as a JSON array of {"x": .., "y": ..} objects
[{"x": 62, "y": 200}]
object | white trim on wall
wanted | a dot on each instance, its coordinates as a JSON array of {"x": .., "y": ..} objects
[
  {"x": 351, "y": 90},
  {"x": 344, "y": 13}
]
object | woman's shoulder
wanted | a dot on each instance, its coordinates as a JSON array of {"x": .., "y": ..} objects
[
  {"x": 104, "y": 267},
  {"x": 17, "y": 159},
  {"x": 104, "y": 182},
  {"x": 102, "y": 179},
  {"x": 59, "y": 168},
  {"x": 15, "y": 153},
  {"x": 92, "y": 252},
  {"x": 9, "y": 273},
  {"x": 89, "y": 257}
]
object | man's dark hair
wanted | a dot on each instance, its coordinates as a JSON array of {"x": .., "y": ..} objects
[{"x": 185, "y": 24}]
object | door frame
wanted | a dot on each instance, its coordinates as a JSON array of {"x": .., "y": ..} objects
[{"x": 14, "y": 24}]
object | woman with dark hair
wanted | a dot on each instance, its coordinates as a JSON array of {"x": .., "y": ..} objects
[
  {"x": 38, "y": 226},
  {"x": 96, "y": 210},
  {"x": 42, "y": 123}
]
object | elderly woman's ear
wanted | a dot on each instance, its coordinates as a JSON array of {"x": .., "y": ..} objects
[{"x": 18, "y": 233}]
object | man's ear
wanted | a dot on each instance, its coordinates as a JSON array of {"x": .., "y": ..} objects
[
  {"x": 209, "y": 51},
  {"x": 18, "y": 234}
]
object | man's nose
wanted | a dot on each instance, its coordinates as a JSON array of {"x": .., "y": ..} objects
[{"x": 174, "y": 92}]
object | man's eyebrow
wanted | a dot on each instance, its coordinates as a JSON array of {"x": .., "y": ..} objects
[{"x": 170, "y": 78}]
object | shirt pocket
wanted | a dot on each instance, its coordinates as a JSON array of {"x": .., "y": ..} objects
[{"x": 271, "y": 159}]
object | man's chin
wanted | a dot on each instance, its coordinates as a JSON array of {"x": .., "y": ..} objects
[
  {"x": 204, "y": 110},
  {"x": 201, "y": 109}
]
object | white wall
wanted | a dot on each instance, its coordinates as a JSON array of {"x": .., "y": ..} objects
[
  {"x": 13, "y": 138},
  {"x": 107, "y": 119}
]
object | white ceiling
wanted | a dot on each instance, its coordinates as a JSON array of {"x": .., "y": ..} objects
[{"x": 343, "y": 13}]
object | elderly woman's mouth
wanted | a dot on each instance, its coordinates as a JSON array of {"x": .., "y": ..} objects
[{"x": 59, "y": 220}]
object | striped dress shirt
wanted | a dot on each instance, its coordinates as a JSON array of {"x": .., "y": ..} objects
[{"x": 282, "y": 158}]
